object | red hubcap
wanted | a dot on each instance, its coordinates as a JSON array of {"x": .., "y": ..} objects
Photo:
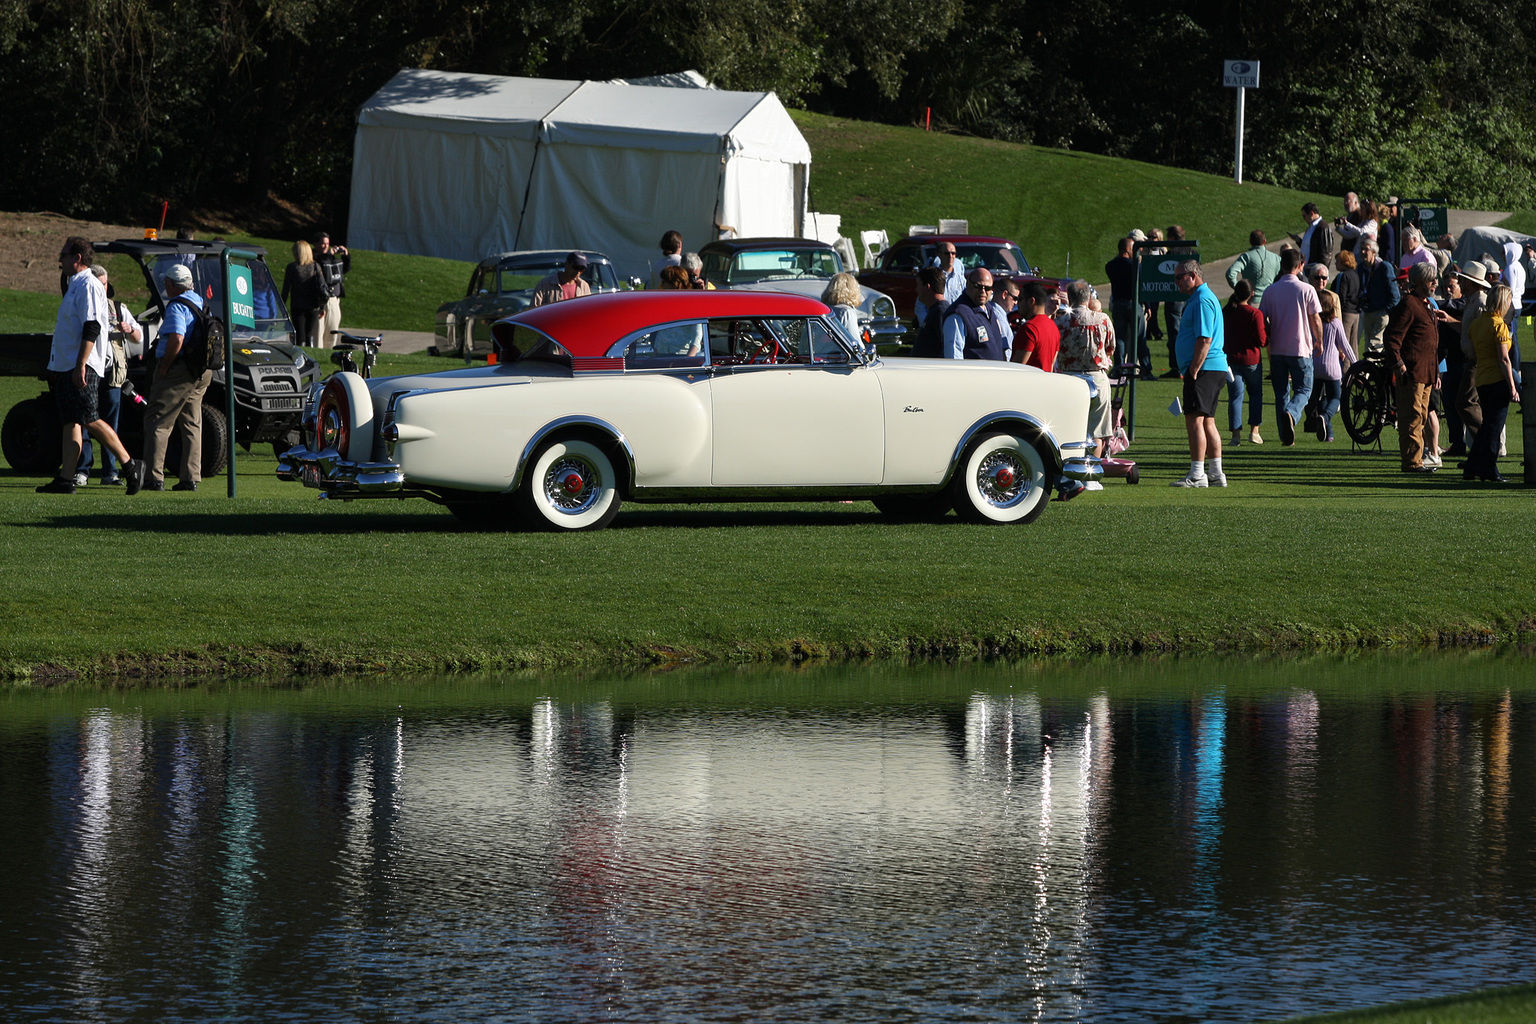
[
  {"x": 1004, "y": 477},
  {"x": 572, "y": 483}
]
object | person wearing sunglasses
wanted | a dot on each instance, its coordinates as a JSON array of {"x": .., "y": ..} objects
[
  {"x": 970, "y": 329},
  {"x": 1200, "y": 349}
]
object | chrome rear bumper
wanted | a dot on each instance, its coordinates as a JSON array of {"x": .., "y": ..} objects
[{"x": 335, "y": 477}]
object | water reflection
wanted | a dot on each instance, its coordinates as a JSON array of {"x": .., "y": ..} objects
[{"x": 978, "y": 845}]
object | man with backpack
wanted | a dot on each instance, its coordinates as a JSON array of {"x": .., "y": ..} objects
[{"x": 180, "y": 378}]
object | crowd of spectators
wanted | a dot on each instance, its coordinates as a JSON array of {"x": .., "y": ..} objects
[{"x": 1364, "y": 285}]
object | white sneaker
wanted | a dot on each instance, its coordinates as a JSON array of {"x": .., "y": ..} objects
[
  {"x": 1433, "y": 460},
  {"x": 1195, "y": 481},
  {"x": 81, "y": 479},
  {"x": 1217, "y": 479},
  {"x": 1093, "y": 485}
]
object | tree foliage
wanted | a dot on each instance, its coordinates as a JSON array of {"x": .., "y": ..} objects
[{"x": 112, "y": 105}]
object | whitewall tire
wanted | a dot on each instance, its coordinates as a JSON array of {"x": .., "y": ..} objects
[
  {"x": 1001, "y": 479},
  {"x": 570, "y": 485}
]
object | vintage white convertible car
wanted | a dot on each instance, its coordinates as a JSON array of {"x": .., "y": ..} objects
[{"x": 697, "y": 397}]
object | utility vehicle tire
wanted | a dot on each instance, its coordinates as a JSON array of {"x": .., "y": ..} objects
[
  {"x": 30, "y": 438},
  {"x": 215, "y": 444}
]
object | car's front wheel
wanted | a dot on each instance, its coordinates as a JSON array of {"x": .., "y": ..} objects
[
  {"x": 570, "y": 485},
  {"x": 1002, "y": 479}
]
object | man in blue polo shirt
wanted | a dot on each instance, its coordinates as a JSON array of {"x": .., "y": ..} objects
[
  {"x": 1203, "y": 362},
  {"x": 175, "y": 394}
]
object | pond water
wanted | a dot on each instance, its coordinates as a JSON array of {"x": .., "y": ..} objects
[{"x": 1106, "y": 840}]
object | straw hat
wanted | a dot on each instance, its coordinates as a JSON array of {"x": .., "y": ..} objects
[{"x": 1474, "y": 274}]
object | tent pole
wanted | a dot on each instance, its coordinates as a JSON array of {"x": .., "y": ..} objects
[{"x": 533, "y": 165}]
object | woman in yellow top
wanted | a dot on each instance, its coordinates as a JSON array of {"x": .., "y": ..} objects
[{"x": 1494, "y": 376}]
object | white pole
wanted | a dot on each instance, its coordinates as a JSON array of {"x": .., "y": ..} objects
[{"x": 1238, "y": 176}]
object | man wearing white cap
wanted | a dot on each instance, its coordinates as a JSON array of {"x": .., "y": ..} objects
[{"x": 175, "y": 393}]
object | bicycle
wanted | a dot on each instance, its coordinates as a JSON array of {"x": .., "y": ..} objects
[
  {"x": 1369, "y": 400},
  {"x": 369, "y": 343}
]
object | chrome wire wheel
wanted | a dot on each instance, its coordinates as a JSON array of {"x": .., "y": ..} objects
[
  {"x": 1002, "y": 479},
  {"x": 571, "y": 485}
]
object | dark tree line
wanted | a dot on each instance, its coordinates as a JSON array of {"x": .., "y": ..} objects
[{"x": 112, "y": 105}]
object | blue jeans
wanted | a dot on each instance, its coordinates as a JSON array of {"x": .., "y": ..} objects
[
  {"x": 1328, "y": 405},
  {"x": 1127, "y": 325},
  {"x": 1291, "y": 374},
  {"x": 1173, "y": 315},
  {"x": 1245, "y": 380},
  {"x": 109, "y": 404}
]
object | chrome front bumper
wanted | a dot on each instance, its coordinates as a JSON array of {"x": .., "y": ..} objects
[
  {"x": 1081, "y": 466},
  {"x": 335, "y": 477}
]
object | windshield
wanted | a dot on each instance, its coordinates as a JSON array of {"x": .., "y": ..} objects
[
  {"x": 772, "y": 265},
  {"x": 524, "y": 277},
  {"x": 993, "y": 257},
  {"x": 272, "y": 324}
]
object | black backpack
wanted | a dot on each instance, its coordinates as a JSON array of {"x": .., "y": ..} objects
[{"x": 203, "y": 347}]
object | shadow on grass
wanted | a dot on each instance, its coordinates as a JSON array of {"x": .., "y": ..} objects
[{"x": 217, "y": 524}]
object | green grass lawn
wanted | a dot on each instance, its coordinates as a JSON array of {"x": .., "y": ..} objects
[
  {"x": 27, "y": 312},
  {"x": 1068, "y": 210},
  {"x": 1523, "y": 221},
  {"x": 1310, "y": 547},
  {"x": 1515, "y": 1005}
]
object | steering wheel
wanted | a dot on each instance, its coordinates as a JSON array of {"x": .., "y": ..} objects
[{"x": 767, "y": 348}]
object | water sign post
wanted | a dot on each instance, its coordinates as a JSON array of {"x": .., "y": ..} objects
[
  {"x": 1154, "y": 284},
  {"x": 239, "y": 311},
  {"x": 1241, "y": 75}
]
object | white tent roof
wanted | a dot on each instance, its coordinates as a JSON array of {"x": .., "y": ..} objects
[
  {"x": 547, "y": 163},
  {"x": 472, "y": 104}
]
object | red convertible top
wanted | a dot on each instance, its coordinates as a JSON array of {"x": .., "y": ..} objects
[{"x": 588, "y": 326}]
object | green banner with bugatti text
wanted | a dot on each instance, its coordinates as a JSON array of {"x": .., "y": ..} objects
[{"x": 241, "y": 300}]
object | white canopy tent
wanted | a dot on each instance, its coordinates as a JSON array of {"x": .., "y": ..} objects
[{"x": 460, "y": 166}]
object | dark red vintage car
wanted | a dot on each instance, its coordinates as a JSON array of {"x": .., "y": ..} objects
[{"x": 896, "y": 274}]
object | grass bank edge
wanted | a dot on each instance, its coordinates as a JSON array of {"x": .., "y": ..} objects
[
  {"x": 1511, "y": 1005},
  {"x": 324, "y": 659}
]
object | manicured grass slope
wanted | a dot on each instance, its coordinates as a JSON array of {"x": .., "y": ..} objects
[
  {"x": 1310, "y": 547},
  {"x": 385, "y": 290},
  {"x": 1057, "y": 204}
]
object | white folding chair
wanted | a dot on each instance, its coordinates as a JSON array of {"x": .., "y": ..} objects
[{"x": 875, "y": 243}]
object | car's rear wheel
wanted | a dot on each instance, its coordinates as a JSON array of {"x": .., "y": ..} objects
[
  {"x": 916, "y": 507},
  {"x": 570, "y": 485},
  {"x": 1001, "y": 479}
]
